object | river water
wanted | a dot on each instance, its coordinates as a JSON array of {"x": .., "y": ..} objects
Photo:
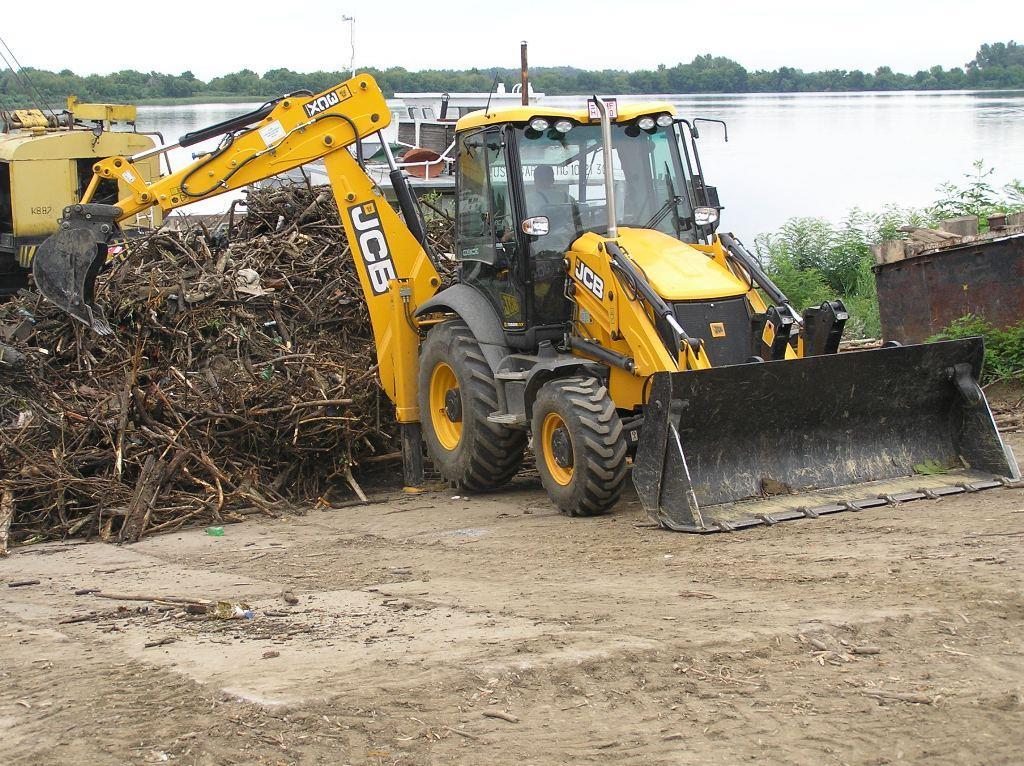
[{"x": 807, "y": 154}]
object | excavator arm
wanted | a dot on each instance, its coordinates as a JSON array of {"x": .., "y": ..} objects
[
  {"x": 278, "y": 137},
  {"x": 394, "y": 270}
]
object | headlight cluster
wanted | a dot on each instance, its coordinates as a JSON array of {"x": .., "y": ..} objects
[
  {"x": 539, "y": 124},
  {"x": 648, "y": 122}
]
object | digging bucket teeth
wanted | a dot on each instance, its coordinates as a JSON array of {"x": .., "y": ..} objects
[
  {"x": 66, "y": 264},
  {"x": 743, "y": 445}
]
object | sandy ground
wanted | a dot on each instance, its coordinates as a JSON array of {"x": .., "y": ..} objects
[{"x": 888, "y": 636}]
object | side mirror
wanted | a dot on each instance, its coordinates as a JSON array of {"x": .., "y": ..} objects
[
  {"x": 705, "y": 216},
  {"x": 537, "y": 226}
]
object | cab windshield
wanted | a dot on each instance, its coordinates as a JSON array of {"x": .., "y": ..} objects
[{"x": 564, "y": 180}]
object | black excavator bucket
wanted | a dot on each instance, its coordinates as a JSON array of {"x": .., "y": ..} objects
[
  {"x": 750, "y": 444},
  {"x": 66, "y": 264}
]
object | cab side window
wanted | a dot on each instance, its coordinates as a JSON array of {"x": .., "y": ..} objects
[
  {"x": 487, "y": 244},
  {"x": 474, "y": 231}
]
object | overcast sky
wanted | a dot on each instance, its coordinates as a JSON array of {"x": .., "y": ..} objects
[{"x": 211, "y": 38}]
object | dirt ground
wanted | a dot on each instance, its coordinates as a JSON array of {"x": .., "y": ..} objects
[{"x": 893, "y": 635}]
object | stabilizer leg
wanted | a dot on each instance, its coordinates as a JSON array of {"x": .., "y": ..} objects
[{"x": 412, "y": 454}]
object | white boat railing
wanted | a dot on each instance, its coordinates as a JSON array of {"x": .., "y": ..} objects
[{"x": 445, "y": 158}]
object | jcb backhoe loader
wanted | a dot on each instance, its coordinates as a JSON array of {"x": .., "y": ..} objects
[{"x": 597, "y": 312}]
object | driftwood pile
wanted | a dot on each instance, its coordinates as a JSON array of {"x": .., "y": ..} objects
[
  {"x": 239, "y": 380},
  {"x": 1008, "y": 411}
]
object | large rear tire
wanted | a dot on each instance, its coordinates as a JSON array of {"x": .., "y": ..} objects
[
  {"x": 580, "y": 445},
  {"x": 456, "y": 394}
]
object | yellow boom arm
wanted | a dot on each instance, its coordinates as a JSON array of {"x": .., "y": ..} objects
[{"x": 395, "y": 273}]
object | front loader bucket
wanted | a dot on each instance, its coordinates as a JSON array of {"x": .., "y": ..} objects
[{"x": 742, "y": 445}]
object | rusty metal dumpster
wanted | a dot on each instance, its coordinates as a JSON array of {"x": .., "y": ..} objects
[{"x": 920, "y": 295}]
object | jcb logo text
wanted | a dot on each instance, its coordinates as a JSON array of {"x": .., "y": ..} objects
[
  {"x": 590, "y": 280},
  {"x": 373, "y": 246}
]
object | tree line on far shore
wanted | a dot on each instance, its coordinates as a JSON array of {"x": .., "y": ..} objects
[{"x": 995, "y": 66}]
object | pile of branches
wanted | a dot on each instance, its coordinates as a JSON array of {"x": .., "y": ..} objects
[{"x": 239, "y": 380}]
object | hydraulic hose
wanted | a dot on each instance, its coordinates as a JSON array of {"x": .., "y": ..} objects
[{"x": 750, "y": 263}]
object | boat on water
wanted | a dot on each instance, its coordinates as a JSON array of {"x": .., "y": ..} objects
[
  {"x": 421, "y": 136},
  {"x": 427, "y": 120}
]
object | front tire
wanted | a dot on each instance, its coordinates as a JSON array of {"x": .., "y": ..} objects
[
  {"x": 580, "y": 445},
  {"x": 457, "y": 392}
]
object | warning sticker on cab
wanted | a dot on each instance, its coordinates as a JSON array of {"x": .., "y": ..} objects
[{"x": 272, "y": 133}]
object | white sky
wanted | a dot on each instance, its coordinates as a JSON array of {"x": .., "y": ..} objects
[{"x": 213, "y": 38}]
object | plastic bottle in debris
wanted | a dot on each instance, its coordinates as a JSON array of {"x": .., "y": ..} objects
[{"x": 228, "y": 610}]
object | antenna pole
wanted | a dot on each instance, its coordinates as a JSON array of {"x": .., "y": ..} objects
[{"x": 494, "y": 86}]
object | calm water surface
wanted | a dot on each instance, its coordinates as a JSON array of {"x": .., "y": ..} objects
[{"x": 808, "y": 154}]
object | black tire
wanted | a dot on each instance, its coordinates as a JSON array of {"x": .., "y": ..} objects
[
  {"x": 590, "y": 481},
  {"x": 487, "y": 455}
]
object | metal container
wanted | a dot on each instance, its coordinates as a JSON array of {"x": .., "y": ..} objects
[{"x": 921, "y": 295}]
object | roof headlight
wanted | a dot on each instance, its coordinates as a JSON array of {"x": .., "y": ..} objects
[
  {"x": 645, "y": 123},
  {"x": 539, "y": 124},
  {"x": 664, "y": 120},
  {"x": 563, "y": 126}
]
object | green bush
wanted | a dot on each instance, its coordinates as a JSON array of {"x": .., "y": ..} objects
[
  {"x": 1004, "y": 349},
  {"x": 813, "y": 260},
  {"x": 977, "y": 197}
]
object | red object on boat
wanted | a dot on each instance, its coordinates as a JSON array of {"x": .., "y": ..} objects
[{"x": 423, "y": 155}]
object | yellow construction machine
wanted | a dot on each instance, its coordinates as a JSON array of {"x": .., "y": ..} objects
[
  {"x": 597, "y": 315},
  {"x": 46, "y": 164}
]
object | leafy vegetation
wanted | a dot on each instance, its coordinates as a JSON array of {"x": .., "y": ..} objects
[
  {"x": 813, "y": 260},
  {"x": 996, "y": 65},
  {"x": 1004, "y": 349},
  {"x": 977, "y": 197}
]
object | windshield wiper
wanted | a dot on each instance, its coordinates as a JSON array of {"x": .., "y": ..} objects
[
  {"x": 672, "y": 203},
  {"x": 669, "y": 204}
]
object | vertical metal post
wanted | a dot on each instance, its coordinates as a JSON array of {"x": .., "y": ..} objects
[
  {"x": 525, "y": 74},
  {"x": 352, "y": 41}
]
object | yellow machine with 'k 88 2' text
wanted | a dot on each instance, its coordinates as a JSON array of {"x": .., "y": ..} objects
[{"x": 46, "y": 163}]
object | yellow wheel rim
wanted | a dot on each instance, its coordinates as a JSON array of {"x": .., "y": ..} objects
[
  {"x": 552, "y": 424},
  {"x": 442, "y": 382}
]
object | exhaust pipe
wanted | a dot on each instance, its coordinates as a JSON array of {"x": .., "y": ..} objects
[
  {"x": 524, "y": 74},
  {"x": 609, "y": 175}
]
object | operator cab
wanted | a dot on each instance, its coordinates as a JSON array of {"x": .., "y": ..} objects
[{"x": 529, "y": 185}]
